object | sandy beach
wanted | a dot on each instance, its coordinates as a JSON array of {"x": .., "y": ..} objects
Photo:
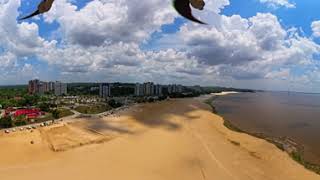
[{"x": 176, "y": 139}]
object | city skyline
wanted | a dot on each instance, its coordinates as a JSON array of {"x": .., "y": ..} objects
[
  {"x": 37, "y": 86},
  {"x": 260, "y": 44}
]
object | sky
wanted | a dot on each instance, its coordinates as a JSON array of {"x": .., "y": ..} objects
[{"x": 258, "y": 44}]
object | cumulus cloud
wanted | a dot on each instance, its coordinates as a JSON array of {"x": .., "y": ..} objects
[
  {"x": 315, "y": 25},
  {"x": 17, "y": 41},
  {"x": 239, "y": 41},
  {"x": 279, "y": 3},
  {"x": 102, "y": 41},
  {"x": 110, "y": 21},
  {"x": 248, "y": 49}
]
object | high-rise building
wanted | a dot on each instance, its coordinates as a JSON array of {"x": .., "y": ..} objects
[
  {"x": 105, "y": 90},
  {"x": 60, "y": 88},
  {"x": 148, "y": 88},
  {"x": 180, "y": 88},
  {"x": 38, "y": 87},
  {"x": 197, "y": 88},
  {"x": 139, "y": 89},
  {"x": 174, "y": 88},
  {"x": 158, "y": 90},
  {"x": 42, "y": 87},
  {"x": 33, "y": 87},
  {"x": 51, "y": 86}
]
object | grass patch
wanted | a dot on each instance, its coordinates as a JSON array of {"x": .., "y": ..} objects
[
  {"x": 299, "y": 158},
  {"x": 96, "y": 109},
  {"x": 64, "y": 112},
  {"x": 209, "y": 102},
  {"x": 232, "y": 127},
  {"x": 61, "y": 112},
  {"x": 47, "y": 117}
]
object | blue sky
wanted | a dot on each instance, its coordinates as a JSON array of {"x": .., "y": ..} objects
[
  {"x": 261, "y": 44},
  {"x": 305, "y": 12}
]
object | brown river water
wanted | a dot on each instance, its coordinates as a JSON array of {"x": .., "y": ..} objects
[{"x": 276, "y": 114}]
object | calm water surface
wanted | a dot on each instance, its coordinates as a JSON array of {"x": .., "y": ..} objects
[{"x": 294, "y": 115}]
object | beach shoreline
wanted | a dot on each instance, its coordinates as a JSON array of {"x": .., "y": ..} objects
[{"x": 294, "y": 149}]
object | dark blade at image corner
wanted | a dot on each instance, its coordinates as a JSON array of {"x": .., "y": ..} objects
[
  {"x": 184, "y": 9},
  {"x": 30, "y": 16}
]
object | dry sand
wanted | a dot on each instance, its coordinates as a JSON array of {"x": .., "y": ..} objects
[{"x": 171, "y": 140}]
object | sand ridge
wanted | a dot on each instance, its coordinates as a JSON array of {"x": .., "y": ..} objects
[{"x": 175, "y": 139}]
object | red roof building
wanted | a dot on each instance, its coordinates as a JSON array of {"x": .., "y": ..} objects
[{"x": 30, "y": 113}]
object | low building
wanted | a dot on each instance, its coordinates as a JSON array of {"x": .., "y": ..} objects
[{"x": 28, "y": 113}]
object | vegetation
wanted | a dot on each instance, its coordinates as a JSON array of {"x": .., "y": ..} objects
[
  {"x": 299, "y": 158},
  {"x": 60, "y": 113},
  {"x": 47, "y": 117},
  {"x": 232, "y": 127},
  {"x": 122, "y": 89},
  {"x": 20, "y": 123},
  {"x": 6, "y": 122},
  {"x": 118, "y": 89},
  {"x": 83, "y": 89},
  {"x": 44, "y": 106},
  {"x": 93, "y": 109},
  {"x": 63, "y": 112},
  {"x": 114, "y": 104},
  {"x": 55, "y": 114},
  {"x": 184, "y": 95},
  {"x": 17, "y": 96}
]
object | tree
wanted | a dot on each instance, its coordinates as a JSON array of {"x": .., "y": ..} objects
[
  {"x": 31, "y": 100},
  {"x": 55, "y": 114},
  {"x": 44, "y": 107},
  {"x": 6, "y": 122},
  {"x": 113, "y": 103}
]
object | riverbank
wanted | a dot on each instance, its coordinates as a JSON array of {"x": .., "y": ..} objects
[
  {"x": 174, "y": 139},
  {"x": 294, "y": 149}
]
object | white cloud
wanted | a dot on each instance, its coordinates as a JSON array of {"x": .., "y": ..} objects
[
  {"x": 102, "y": 42},
  {"x": 250, "y": 51},
  {"x": 315, "y": 25},
  {"x": 279, "y": 3},
  {"x": 111, "y": 21},
  {"x": 282, "y": 74},
  {"x": 17, "y": 41}
]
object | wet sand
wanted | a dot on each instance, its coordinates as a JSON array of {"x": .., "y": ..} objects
[{"x": 176, "y": 139}]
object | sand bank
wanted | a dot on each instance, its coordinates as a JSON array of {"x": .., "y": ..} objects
[
  {"x": 176, "y": 139},
  {"x": 224, "y": 93}
]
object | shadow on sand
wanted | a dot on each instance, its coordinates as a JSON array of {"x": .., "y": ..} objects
[{"x": 161, "y": 114}]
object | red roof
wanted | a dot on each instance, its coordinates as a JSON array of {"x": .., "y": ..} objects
[
  {"x": 31, "y": 116},
  {"x": 20, "y": 112}
]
